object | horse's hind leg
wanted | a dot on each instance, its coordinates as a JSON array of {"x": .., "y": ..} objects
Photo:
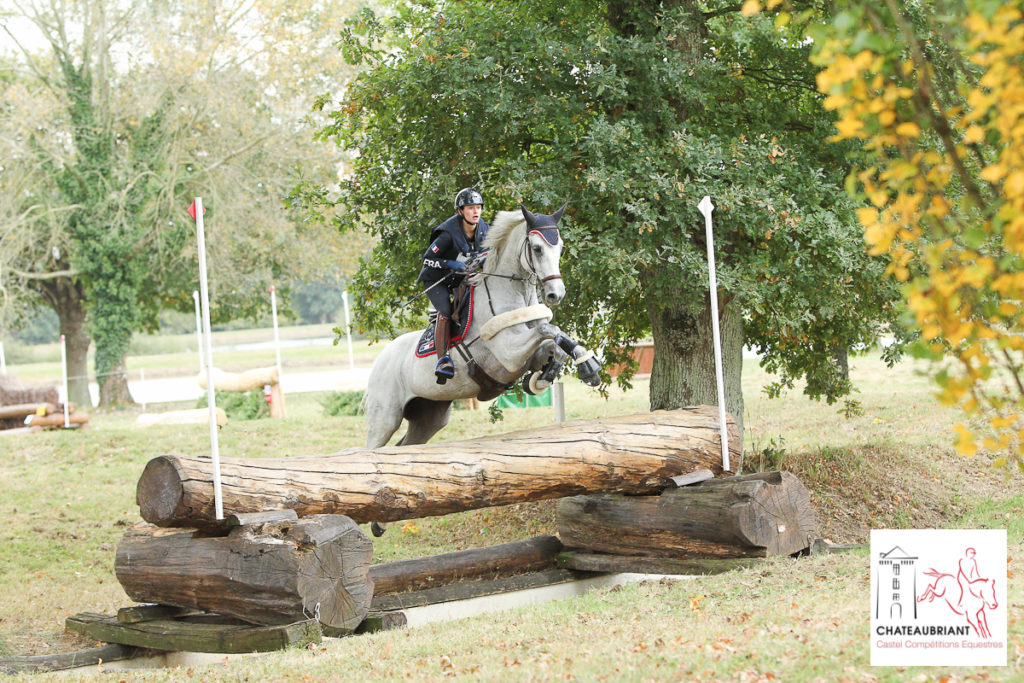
[
  {"x": 426, "y": 418},
  {"x": 382, "y": 421}
]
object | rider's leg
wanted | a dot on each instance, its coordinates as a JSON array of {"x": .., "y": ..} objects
[{"x": 441, "y": 298}]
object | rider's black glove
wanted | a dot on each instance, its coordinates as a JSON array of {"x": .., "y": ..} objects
[{"x": 456, "y": 265}]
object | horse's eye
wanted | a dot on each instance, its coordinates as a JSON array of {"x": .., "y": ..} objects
[{"x": 537, "y": 250}]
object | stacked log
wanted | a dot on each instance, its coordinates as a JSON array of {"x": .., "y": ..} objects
[
  {"x": 276, "y": 572},
  {"x": 256, "y": 378},
  {"x": 755, "y": 515},
  {"x": 634, "y": 454}
]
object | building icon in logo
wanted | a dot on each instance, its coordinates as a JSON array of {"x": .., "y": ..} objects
[{"x": 896, "y": 571}]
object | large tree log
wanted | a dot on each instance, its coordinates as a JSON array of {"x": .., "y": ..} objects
[
  {"x": 754, "y": 515},
  {"x": 507, "y": 559},
  {"x": 630, "y": 454},
  {"x": 274, "y": 573}
]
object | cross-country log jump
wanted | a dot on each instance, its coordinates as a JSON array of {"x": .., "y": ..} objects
[{"x": 631, "y": 454}]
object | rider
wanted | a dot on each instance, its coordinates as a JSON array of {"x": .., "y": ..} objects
[{"x": 453, "y": 244}]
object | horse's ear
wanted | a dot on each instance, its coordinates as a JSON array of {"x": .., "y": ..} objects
[
  {"x": 530, "y": 218},
  {"x": 557, "y": 215}
]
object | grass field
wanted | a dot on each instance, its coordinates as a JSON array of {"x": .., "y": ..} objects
[{"x": 68, "y": 497}]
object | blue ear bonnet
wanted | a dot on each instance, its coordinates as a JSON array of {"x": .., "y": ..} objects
[
  {"x": 544, "y": 225},
  {"x": 549, "y": 233}
]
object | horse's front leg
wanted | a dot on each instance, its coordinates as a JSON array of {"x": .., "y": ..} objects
[{"x": 588, "y": 367}]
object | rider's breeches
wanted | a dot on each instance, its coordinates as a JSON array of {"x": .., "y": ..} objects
[{"x": 442, "y": 300}]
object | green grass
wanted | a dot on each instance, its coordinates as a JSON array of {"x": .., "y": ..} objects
[{"x": 68, "y": 496}]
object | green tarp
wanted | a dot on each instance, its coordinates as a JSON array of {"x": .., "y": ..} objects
[{"x": 509, "y": 400}]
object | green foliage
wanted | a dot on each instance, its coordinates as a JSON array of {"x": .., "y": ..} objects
[
  {"x": 240, "y": 405},
  {"x": 633, "y": 111},
  {"x": 342, "y": 403},
  {"x": 771, "y": 457}
]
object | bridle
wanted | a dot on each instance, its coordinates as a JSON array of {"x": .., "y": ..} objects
[{"x": 529, "y": 256}]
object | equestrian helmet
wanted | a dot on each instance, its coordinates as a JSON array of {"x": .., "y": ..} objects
[{"x": 467, "y": 197}]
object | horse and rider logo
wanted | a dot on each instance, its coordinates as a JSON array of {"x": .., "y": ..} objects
[
  {"x": 967, "y": 594},
  {"x": 941, "y": 604}
]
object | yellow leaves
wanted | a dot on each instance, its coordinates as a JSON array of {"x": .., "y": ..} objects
[
  {"x": 887, "y": 117},
  {"x": 867, "y": 216},
  {"x": 1013, "y": 188},
  {"x": 965, "y": 443},
  {"x": 908, "y": 129},
  {"x": 992, "y": 173},
  {"x": 879, "y": 197},
  {"x": 695, "y": 602},
  {"x": 833, "y": 102},
  {"x": 750, "y": 8},
  {"x": 772, "y": 4},
  {"x": 849, "y": 127},
  {"x": 410, "y": 528}
]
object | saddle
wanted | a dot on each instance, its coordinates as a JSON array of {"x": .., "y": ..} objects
[{"x": 462, "y": 318}]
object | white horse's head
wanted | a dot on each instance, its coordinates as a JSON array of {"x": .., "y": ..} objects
[{"x": 542, "y": 252}]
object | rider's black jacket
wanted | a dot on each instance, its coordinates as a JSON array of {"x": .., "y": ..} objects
[{"x": 449, "y": 243}]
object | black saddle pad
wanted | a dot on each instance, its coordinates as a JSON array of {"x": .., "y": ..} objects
[{"x": 425, "y": 347}]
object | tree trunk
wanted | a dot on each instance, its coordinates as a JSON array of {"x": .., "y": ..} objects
[
  {"x": 754, "y": 515},
  {"x": 273, "y": 573},
  {"x": 114, "y": 386},
  {"x": 631, "y": 454},
  {"x": 683, "y": 373},
  {"x": 67, "y": 299}
]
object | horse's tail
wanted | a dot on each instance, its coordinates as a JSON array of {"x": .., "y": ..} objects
[
  {"x": 934, "y": 573},
  {"x": 361, "y": 410}
]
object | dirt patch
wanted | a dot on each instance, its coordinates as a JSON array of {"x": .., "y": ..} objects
[{"x": 869, "y": 487}]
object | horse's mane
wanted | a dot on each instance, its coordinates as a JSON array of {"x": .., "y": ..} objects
[{"x": 501, "y": 230}]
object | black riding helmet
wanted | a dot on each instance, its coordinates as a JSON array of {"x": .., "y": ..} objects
[{"x": 468, "y": 196}]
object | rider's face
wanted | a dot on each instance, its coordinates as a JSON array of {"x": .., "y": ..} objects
[{"x": 471, "y": 214}]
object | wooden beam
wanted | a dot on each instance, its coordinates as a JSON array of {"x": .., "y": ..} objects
[
  {"x": 754, "y": 515},
  {"x": 518, "y": 557},
  {"x": 195, "y": 636},
  {"x": 629, "y": 454},
  {"x": 475, "y": 589},
  {"x": 67, "y": 660},
  {"x": 149, "y": 612},
  {"x": 603, "y": 562}
]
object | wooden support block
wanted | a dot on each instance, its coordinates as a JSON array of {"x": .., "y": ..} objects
[
  {"x": 602, "y": 562},
  {"x": 67, "y": 660},
  {"x": 271, "y": 573},
  {"x": 473, "y": 589},
  {"x": 149, "y": 612},
  {"x": 755, "y": 515},
  {"x": 518, "y": 557},
  {"x": 174, "y": 635},
  {"x": 57, "y": 420}
]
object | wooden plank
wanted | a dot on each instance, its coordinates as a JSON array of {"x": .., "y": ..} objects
[
  {"x": 492, "y": 562},
  {"x": 67, "y": 660},
  {"x": 692, "y": 478},
  {"x": 601, "y": 562},
  {"x": 149, "y": 612},
  {"x": 249, "y": 518},
  {"x": 173, "y": 635},
  {"x": 474, "y": 589}
]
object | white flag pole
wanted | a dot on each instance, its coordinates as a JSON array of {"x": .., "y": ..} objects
[
  {"x": 64, "y": 379},
  {"x": 348, "y": 331},
  {"x": 277, "y": 339},
  {"x": 3, "y": 360},
  {"x": 204, "y": 293},
  {"x": 199, "y": 331},
  {"x": 706, "y": 207}
]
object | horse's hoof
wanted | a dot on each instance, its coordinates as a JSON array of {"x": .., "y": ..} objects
[{"x": 378, "y": 528}]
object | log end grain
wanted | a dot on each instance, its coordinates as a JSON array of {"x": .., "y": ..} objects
[{"x": 160, "y": 491}]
